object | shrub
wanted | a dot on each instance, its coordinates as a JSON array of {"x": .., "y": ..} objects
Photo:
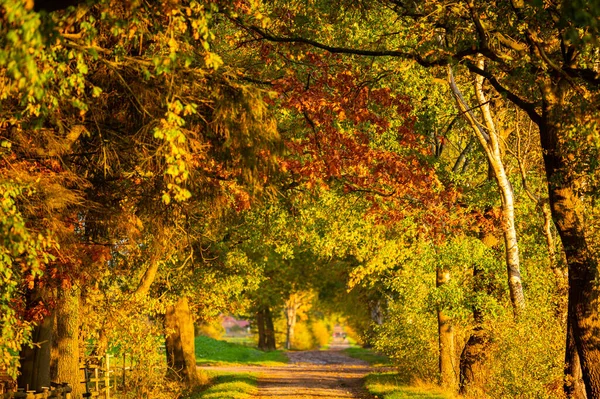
[
  {"x": 303, "y": 337},
  {"x": 212, "y": 330},
  {"x": 321, "y": 334}
]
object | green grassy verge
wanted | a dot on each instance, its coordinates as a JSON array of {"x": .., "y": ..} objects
[
  {"x": 368, "y": 356},
  {"x": 212, "y": 351},
  {"x": 230, "y": 386},
  {"x": 392, "y": 386}
]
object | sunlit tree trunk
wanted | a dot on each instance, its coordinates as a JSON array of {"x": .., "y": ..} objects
[
  {"x": 488, "y": 136},
  {"x": 181, "y": 353},
  {"x": 66, "y": 351},
  {"x": 291, "y": 310},
  {"x": 446, "y": 339}
]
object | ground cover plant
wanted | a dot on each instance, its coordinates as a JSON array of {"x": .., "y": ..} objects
[{"x": 230, "y": 386}]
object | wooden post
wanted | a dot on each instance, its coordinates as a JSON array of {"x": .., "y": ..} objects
[
  {"x": 124, "y": 359},
  {"x": 96, "y": 379},
  {"x": 107, "y": 376}
]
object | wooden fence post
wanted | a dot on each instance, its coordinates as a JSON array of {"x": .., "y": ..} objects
[{"x": 107, "y": 376}]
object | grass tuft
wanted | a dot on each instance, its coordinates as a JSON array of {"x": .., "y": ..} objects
[
  {"x": 392, "y": 386},
  {"x": 214, "y": 352},
  {"x": 230, "y": 386}
]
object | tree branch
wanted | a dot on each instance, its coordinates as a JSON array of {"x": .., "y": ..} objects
[
  {"x": 526, "y": 106},
  {"x": 444, "y": 59}
]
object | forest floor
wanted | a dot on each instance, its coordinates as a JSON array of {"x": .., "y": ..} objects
[{"x": 323, "y": 374}]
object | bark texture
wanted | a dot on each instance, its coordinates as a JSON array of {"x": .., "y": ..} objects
[
  {"x": 567, "y": 205},
  {"x": 66, "y": 351},
  {"x": 181, "y": 353},
  {"x": 574, "y": 385}
]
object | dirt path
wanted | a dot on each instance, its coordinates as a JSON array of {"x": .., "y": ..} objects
[{"x": 311, "y": 374}]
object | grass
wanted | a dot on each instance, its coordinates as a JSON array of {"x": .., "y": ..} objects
[
  {"x": 230, "y": 386},
  {"x": 246, "y": 341},
  {"x": 214, "y": 352},
  {"x": 368, "y": 356},
  {"x": 392, "y": 386}
]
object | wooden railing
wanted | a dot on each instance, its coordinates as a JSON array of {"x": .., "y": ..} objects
[
  {"x": 61, "y": 391},
  {"x": 101, "y": 378}
]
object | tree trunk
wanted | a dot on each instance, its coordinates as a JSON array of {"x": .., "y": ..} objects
[
  {"x": 474, "y": 354},
  {"x": 290, "y": 316},
  {"x": 490, "y": 141},
  {"x": 181, "y": 353},
  {"x": 269, "y": 331},
  {"x": 567, "y": 207},
  {"x": 446, "y": 339},
  {"x": 574, "y": 386},
  {"x": 35, "y": 363},
  {"x": 377, "y": 312},
  {"x": 262, "y": 336},
  {"x": 66, "y": 340}
]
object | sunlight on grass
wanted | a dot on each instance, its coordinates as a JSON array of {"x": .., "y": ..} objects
[
  {"x": 368, "y": 356},
  {"x": 392, "y": 386},
  {"x": 230, "y": 386},
  {"x": 212, "y": 351}
]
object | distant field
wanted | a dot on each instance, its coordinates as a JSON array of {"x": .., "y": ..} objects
[{"x": 211, "y": 351}]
